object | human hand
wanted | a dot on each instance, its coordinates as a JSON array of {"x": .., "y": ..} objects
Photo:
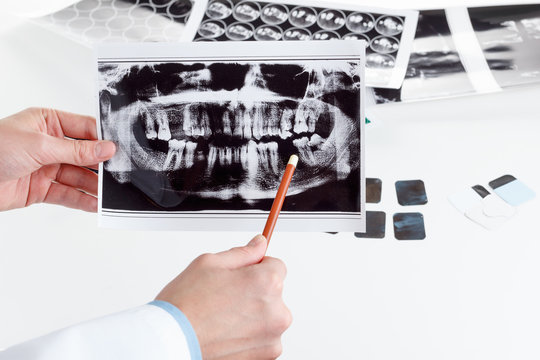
[
  {"x": 38, "y": 164},
  {"x": 233, "y": 301}
]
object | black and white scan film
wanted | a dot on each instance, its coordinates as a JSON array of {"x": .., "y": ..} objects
[
  {"x": 217, "y": 135},
  {"x": 435, "y": 68},
  {"x": 240, "y": 20},
  {"x": 510, "y": 39}
]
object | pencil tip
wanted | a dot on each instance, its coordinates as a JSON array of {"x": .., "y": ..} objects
[{"x": 293, "y": 160}]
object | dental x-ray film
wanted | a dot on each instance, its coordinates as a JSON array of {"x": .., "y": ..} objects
[
  {"x": 462, "y": 51},
  {"x": 388, "y": 33},
  {"x": 204, "y": 131}
]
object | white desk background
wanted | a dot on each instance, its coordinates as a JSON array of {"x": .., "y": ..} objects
[{"x": 462, "y": 293}]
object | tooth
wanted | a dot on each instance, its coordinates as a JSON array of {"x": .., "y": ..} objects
[
  {"x": 264, "y": 120},
  {"x": 300, "y": 143},
  {"x": 197, "y": 122},
  {"x": 221, "y": 156},
  {"x": 262, "y": 150},
  {"x": 257, "y": 122},
  {"x": 212, "y": 155},
  {"x": 309, "y": 155},
  {"x": 305, "y": 152},
  {"x": 247, "y": 123},
  {"x": 300, "y": 124},
  {"x": 200, "y": 131},
  {"x": 312, "y": 110},
  {"x": 150, "y": 127},
  {"x": 285, "y": 123},
  {"x": 174, "y": 155},
  {"x": 272, "y": 120},
  {"x": 316, "y": 141},
  {"x": 273, "y": 152},
  {"x": 244, "y": 156},
  {"x": 276, "y": 125},
  {"x": 227, "y": 123},
  {"x": 236, "y": 155},
  {"x": 238, "y": 126},
  {"x": 228, "y": 156},
  {"x": 187, "y": 124},
  {"x": 205, "y": 124},
  {"x": 164, "y": 133},
  {"x": 190, "y": 154},
  {"x": 311, "y": 121},
  {"x": 252, "y": 160}
]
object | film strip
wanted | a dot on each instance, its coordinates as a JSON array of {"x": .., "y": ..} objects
[{"x": 248, "y": 20}]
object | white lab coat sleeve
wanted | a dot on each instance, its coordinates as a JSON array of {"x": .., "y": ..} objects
[{"x": 157, "y": 330}]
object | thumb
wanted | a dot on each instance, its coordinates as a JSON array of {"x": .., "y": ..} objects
[
  {"x": 77, "y": 152},
  {"x": 247, "y": 255}
]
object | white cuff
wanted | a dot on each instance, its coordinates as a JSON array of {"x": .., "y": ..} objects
[{"x": 145, "y": 332}]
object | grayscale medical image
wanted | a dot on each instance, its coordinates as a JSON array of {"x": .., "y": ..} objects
[{"x": 217, "y": 135}]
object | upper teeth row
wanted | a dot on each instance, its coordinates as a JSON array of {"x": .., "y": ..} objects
[{"x": 253, "y": 123}]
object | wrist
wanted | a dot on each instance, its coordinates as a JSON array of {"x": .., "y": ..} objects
[{"x": 185, "y": 325}]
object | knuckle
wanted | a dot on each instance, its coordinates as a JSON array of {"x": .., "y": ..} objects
[
  {"x": 275, "y": 283},
  {"x": 279, "y": 322},
  {"x": 60, "y": 173},
  {"x": 283, "y": 320},
  {"x": 204, "y": 260},
  {"x": 41, "y": 147},
  {"x": 281, "y": 267},
  {"x": 32, "y": 110},
  {"x": 288, "y": 318},
  {"x": 40, "y": 143},
  {"x": 278, "y": 265},
  {"x": 80, "y": 151},
  {"x": 275, "y": 350}
]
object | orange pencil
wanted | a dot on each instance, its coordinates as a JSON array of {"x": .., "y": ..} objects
[{"x": 280, "y": 197}]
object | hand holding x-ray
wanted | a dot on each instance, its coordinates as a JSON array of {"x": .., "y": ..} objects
[{"x": 38, "y": 164}]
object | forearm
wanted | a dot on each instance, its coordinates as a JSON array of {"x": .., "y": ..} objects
[{"x": 145, "y": 332}]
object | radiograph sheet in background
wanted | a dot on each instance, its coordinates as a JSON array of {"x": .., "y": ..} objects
[
  {"x": 97, "y": 21},
  {"x": 510, "y": 39},
  {"x": 205, "y": 138},
  {"x": 435, "y": 69},
  {"x": 388, "y": 32}
]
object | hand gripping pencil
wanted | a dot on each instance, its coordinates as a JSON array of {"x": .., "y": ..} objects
[{"x": 280, "y": 197}]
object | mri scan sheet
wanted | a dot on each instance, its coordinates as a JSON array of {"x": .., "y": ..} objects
[
  {"x": 388, "y": 33},
  {"x": 204, "y": 132}
]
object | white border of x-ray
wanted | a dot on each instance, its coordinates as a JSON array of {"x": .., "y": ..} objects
[
  {"x": 382, "y": 78},
  {"x": 471, "y": 55},
  {"x": 245, "y": 220}
]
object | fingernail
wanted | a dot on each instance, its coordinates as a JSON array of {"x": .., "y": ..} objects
[
  {"x": 104, "y": 149},
  {"x": 256, "y": 240}
]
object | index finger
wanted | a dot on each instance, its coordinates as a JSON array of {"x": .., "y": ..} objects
[{"x": 77, "y": 126}]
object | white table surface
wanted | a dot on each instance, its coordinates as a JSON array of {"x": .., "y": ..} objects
[{"x": 462, "y": 293}]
